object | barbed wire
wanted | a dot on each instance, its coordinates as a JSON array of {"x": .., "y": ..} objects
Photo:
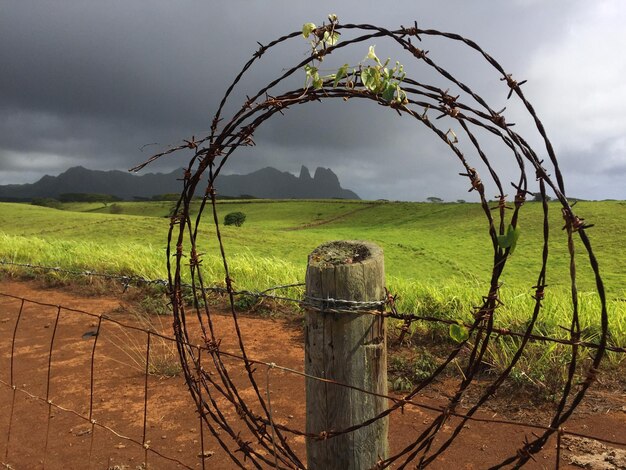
[
  {"x": 431, "y": 106},
  {"x": 215, "y": 351},
  {"x": 470, "y": 112},
  {"x": 325, "y": 305}
]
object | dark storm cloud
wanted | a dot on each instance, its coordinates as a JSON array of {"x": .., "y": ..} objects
[{"x": 92, "y": 82}]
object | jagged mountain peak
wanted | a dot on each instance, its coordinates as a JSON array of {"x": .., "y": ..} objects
[
  {"x": 267, "y": 182},
  {"x": 305, "y": 175}
]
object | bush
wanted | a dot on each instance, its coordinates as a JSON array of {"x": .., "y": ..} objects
[
  {"x": 88, "y": 197},
  {"x": 235, "y": 218},
  {"x": 166, "y": 197},
  {"x": 116, "y": 209},
  {"x": 46, "y": 202}
]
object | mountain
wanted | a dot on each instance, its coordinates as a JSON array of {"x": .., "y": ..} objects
[
  {"x": 270, "y": 183},
  {"x": 267, "y": 183}
]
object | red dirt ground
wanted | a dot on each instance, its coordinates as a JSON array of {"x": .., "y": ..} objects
[{"x": 172, "y": 424}]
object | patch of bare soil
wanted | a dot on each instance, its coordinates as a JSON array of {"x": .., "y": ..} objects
[
  {"x": 332, "y": 219},
  {"x": 112, "y": 388},
  {"x": 594, "y": 455}
]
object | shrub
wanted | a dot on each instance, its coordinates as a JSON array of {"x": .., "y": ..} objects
[
  {"x": 88, "y": 197},
  {"x": 116, "y": 209},
  {"x": 46, "y": 202},
  {"x": 235, "y": 218},
  {"x": 166, "y": 197}
]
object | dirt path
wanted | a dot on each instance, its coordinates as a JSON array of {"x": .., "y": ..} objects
[
  {"x": 172, "y": 424},
  {"x": 332, "y": 219}
]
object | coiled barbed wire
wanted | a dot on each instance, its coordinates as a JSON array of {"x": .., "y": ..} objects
[{"x": 473, "y": 115}]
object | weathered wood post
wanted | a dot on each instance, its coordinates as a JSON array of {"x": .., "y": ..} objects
[{"x": 347, "y": 347}]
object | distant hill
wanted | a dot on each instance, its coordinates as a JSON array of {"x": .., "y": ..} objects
[{"x": 265, "y": 183}]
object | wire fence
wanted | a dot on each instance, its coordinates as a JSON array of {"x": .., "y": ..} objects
[
  {"x": 472, "y": 116},
  {"x": 330, "y": 305},
  {"x": 50, "y": 402},
  {"x": 35, "y": 364},
  {"x": 251, "y": 436}
]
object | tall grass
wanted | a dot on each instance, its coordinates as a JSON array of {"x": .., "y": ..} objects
[
  {"x": 125, "y": 259},
  {"x": 437, "y": 259},
  {"x": 453, "y": 300}
]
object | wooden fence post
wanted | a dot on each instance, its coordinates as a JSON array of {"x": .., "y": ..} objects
[{"x": 347, "y": 347}]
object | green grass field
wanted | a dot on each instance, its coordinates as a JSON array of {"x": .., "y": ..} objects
[
  {"x": 426, "y": 243},
  {"x": 438, "y": 256}
]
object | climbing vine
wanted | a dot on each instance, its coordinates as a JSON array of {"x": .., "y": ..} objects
[
  {"x": 261, "y": 440},
  {"x": 377, "y": 78}
]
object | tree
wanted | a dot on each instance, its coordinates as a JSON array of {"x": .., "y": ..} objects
[
  {"x": 434, "y": 199},
  {"x": 116, "y": 209},
  {"x": 537, "y": 197},
  {"x": 166, "y": 197},
  {"x": 235, "y": 218},
  {"x": 46, "y": 202},
  {"x": 88, "y": 197}
]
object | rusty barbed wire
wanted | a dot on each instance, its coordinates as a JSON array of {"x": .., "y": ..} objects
[
  {"x": 330, "y": 305},
  {"x": 399, "y": 402},
  {"x": 461, "y": 107},
  {"x": 465, "y": 108}
]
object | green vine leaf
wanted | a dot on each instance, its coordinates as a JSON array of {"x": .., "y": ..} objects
[
  {"x": 510, "y": 239},
  {"x": 377, "y": 79},
  {"x": 312, "y": 75},
  {"x": 331, "y": 38},
  {"x": 458, "y": 332},
  {"x": 310, "y": 70},
  {"x": 389, "y": 92},
  {"x": 307, "y": 29},
  {"x": 401, "y": 98},
  {"x": 341, "y": 73},
  {"x": 371, "y": 79}
]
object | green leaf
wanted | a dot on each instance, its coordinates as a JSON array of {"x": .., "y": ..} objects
[
  {"x": 341, "y": 73},
  {"x": 330, "y": 39},
  {"x": 307, "y": 29},
  {"x": 371, "y": 78},
  {"x": 458, "y": 332},
  {"x": 515, "y": 236},
  {"x": 313, "y": 74},
  {"x": 503, "y": 241},
  {"x": 318, "y": 82},
  {"x": 510, "y": 239},
  {"x": 401, "y": 97},
  {"x": 389, "y": 92}
]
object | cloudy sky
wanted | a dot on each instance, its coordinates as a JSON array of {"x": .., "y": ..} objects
[{"x": 92, "y": 83}]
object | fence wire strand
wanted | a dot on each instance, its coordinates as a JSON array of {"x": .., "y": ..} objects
[
  {"x": 399, "y": 402},
  {"x": 256, "y": 439},
  {"x": 304, "y": 302}
]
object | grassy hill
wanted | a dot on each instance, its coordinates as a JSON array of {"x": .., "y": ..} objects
[
  {"x": 438, "y": 259},
  {"x": 436, "y": 243},
  {"x": 436, "y": 251}
]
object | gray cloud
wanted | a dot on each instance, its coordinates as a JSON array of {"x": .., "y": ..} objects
[{"x": 90, "y": 83}]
